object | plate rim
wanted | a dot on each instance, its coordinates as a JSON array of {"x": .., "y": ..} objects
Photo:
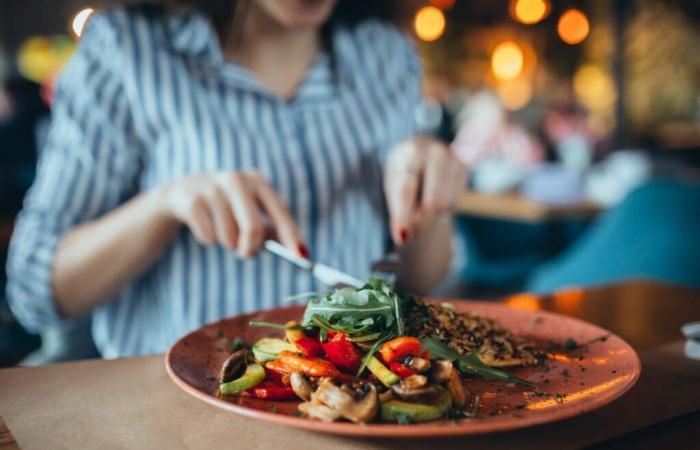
[{"x": 427, "y": 429}]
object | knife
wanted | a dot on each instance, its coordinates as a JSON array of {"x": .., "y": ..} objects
[{"x": 322, "y": 272}]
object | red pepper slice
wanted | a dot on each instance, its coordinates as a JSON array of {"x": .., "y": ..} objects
[
  {"x": 269, "y": 390},
  {"x": 342, "y": 352},
  {"x": 401, "y": 370},
  {"x": 398, "y": 348},
  {"x": 310, "y": 347}
]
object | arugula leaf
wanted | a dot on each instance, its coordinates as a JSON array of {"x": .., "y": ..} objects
[
  {"x": 470, "y": 363},
  {"x": 373, "y": 307}
]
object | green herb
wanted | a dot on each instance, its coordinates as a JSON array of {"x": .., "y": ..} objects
[
  {"x": 559, "y": 398},
  {"x": 565, "y": 373},
  {"x": 460, "y": 413},
  {"x": 374, "y": 307},
  {"x": 280, "y": 326},
  {"x": 323, "y": 335},
  {"x": 402, "y": 418},
  {"x": 374, "y": 349},
  {"x": 365, "y": 337},
  {"x": 470, "y": 364},
  {"x": 570, "y": 345},
  {"x": 297, "y": 413}
]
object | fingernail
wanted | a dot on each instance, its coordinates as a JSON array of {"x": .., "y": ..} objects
[
  {"x": 403, "y": 234},
  {"x": 303, "y": 251}
]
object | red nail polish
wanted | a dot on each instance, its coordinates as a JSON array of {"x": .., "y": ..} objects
[
  {"x": 303, "y": 251},
  {"x": 403, "y": 234}
]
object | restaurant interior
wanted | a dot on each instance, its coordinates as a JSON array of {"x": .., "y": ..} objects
[{"x": 578, "y": 123}]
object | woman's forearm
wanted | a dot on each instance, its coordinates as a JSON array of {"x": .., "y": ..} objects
[
  {"x": 98, "y": 258},
  {"x": 426, "y": 259}
]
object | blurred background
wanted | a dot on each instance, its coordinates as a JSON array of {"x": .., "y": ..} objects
[{"x": 580, "y": 121}]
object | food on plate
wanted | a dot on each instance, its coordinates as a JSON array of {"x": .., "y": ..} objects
[{"x": 370, "y": 354}]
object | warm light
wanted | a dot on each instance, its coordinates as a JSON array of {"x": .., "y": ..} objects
[
  {"x": 80, "y": 20},
  {"x": 586, "y": 393},
  {"x": 573, "y": 27},
  {"x": 529, "y": 11},
  {"x": 524, "y": 302},
  {"x": 507, "y": 60},
  {"x": 594, "y": 87},
  {"x": 515, "y": 94},
  {"x": 568, "y": 301},
  {"x": 443, "y": 4},
  {"x": 429, "y": 23}
]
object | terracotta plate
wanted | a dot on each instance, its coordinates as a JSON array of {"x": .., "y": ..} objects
[{"x": 570, "y": 383}]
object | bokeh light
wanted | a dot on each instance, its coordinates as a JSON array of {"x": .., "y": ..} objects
[
  {"x": 507, "y": 60},
  {"x": 80, "y": 19},
  {"x": 515, "y": 94},
  {"x": 573, "y": 27},
  {"x": 40, "y": 58},
  {"x": 529, "y": 12},
  {"x": 429, "y": 23},
  {"x": 594, "y": 87}
]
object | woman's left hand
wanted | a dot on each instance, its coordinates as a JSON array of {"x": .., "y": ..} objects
[{"x": 423, "y": 181}]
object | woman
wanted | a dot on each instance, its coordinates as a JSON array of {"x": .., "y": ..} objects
[{"x": 238, "y": 120}]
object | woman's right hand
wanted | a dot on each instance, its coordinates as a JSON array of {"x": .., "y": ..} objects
[{"x": 235, "y": 209}]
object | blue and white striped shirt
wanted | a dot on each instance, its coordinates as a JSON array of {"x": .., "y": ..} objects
[{"x": 146, "y": 101}]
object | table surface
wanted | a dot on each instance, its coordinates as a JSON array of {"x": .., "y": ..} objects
[
  {"x": 514, "y": 207},
  {"x": 131, "y": 402}
]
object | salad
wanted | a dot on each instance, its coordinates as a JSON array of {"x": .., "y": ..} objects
[{"x": 372, "y": 355}]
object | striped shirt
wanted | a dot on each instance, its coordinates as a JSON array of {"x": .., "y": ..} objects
[{"x": 145, "y": 101}]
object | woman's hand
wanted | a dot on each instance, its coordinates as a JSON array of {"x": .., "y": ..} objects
[
  {"x": 423, "y": 181},
  {"x": 235, "y": 209}
]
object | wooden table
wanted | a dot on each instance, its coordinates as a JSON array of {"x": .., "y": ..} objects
[
  {"x": 514, "y": 207},
  {"x": 131, "y": 403}
]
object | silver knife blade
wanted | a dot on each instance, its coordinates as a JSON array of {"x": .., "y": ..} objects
[
  {"x": 334, "y": 277},
  {"x": 322, "y": 272}
]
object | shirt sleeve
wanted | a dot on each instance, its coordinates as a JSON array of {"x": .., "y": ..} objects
[{"x": 88, "y": 167}]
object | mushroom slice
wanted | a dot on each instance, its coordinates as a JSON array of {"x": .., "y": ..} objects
[
  {"x": 386, "y": 396},
  {"x": 300, "y": 385},
  {"x": 233, "y": 366},
  {"x": 331, "y": 395},
  {"x": 319, "y": 411},
  {"x": 418, "y": 364},
  {"x": 442, "y": 369},
  {"x": 414, "y": 381},
  {"x": 365, "y": 409},
  {"x": 425, "y": 394},
  {"x": 456, "y": 388}
]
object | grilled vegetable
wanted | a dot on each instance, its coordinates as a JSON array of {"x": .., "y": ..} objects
[
  {"x": 398, "y": 348},
  {"x": 342, "y": 352},
  {"x": 267, "y": 349},
  {"x": 253, "y": 375},
  {"x": 312, "y": 367},
  {"x": 379, "y": 370},
  {"x": 393, "y": 410}
]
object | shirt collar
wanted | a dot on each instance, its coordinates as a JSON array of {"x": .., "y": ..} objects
[{"x": 193, "y": 36}]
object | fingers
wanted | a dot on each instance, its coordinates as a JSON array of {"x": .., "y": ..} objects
[
  {"x": 402, "y": 187},
  {"x": 196, "y": 215},
  {"x": 282, "y": 220},
  {"x": 222, "y": 216},
  {"x": 435, "y": 195},
  {"x": 423, "y": 182},
  {"x": 251, "y": 228}
]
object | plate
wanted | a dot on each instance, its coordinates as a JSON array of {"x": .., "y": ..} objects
[{"x": 571, "y": 382}]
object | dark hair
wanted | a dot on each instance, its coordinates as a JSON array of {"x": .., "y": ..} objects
[{"x": 226, "y": 15}]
